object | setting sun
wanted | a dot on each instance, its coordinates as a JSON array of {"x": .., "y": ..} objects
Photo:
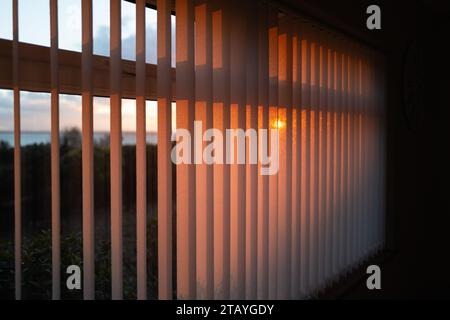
[{"x": 278, "y": 124}]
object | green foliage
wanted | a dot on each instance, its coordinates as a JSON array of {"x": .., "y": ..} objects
[
  {"x": 37, "y": 266},
  {"x": 6, "y": 270}
]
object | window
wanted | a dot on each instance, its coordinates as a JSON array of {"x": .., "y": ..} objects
[{"x": 218, "y": 230}]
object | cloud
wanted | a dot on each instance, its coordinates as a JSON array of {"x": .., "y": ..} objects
[
  {"x": 35, "y": 107},
  {"x": 101, "y": 41}
]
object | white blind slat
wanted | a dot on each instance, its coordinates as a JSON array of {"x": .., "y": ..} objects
[
  {"x": 141, "y": 153},
  {"x": 204, "y": 171},
  {"x": 221, "y": 121},
  {"x": 185, "y": 88},
  {"x": 87, "y": 153},
  {"x": 273, "y": 179},
  {"x": 237, "y": 170},
  {"x": 165, "y": 285},
  {"x": 55, "y": 172},
  {"x": 17, "y": 156},
  {"x": 116, "y": 149}
]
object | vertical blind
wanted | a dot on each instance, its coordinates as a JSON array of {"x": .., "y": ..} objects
[
  {"x": 239, "y": 234},
  {"x": 291, "y": 234}
]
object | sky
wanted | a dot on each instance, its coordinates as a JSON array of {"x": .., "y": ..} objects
[
  {"x": 34, "y": 27},
  {"x": 35, "y": 112}
]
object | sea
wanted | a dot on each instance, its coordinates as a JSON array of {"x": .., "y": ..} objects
[{"x": 30, "y": 138}]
